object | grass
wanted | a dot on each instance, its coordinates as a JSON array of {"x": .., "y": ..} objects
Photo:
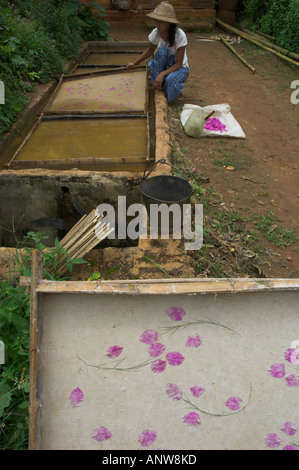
[{"x": 275, "y": 233}]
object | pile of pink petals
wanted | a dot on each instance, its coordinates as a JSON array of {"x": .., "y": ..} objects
[{"x": 214, "y": 124}]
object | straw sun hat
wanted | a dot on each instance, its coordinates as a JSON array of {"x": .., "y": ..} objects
[{"x": 164, "y": 12}]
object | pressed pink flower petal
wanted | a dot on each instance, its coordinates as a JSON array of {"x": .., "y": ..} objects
[
  {"x": 197, "y": 391},
  {"x": 193, "y": 341},
  {"x": 289, "y": 428},
  {"x": 233, "y": 403},
  {"x": 192, "y": 419},
  {"x": 114, "y": 351},
  {"x": 147, "y": 438},
  {"x": 174, "y": 392},
  {"x": 156, "y": 349},
  {"x": 277, "y": 370},
  {"x": 174, "y": 358},
  {"x": 289, "y": 447},
  {"x": 272, "y": 440},
  {"x": 101, "y": 434},
  {"x": 149, "y": 337},
  {"x": 175, "y": 313},
  {"x": 76, "y": 397},
  {"x": 292, "y": 380},
  {"x": 158, "y": 366},
  {"x": 292, "y": 355}
]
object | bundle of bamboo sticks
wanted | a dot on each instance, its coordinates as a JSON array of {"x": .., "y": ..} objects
[{"x": 82, "y": 238}]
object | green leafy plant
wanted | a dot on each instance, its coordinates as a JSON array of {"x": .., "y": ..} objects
[
  {"x": 15, "y": 334},
  {"x": 278, "y": 18},
  {"x": 37, "y": 38}
]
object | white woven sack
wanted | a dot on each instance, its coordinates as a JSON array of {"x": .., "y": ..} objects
[{"x": 222, "y": 112}]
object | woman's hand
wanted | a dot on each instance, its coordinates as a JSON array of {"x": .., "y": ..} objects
[
  {"x": 159, "y": 81},
  {"x": 129, "y": 65}
]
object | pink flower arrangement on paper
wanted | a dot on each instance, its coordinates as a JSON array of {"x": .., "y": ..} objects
[
  {"x": 277, "y": 370},
  {"x": 175, "y": 313},
  {"x": 147, "y": 438},
  {"x": 214, "y": 124},
  {"x": 158, "y": 366},
  {"x": 289, "y": 428},
  {"x": 156, "y": 349},
  {"x": 233, "y": 403},
  {"x": 174, "y": 392},
  {"x": 114, "y": 351},
  {"x": 193, "y": 341},
  {"x": 101, "y": 434},
  {"x": 174, "y": 358},
  {"x": 149, "y": 337},
  {"x": 272, "y": 440},
  {"x": 197, "y": 391},
  {"x": 192, "y": 419},
  {"x": 76, "y": 397},
  {"x": 292, "y": 380},
  {"x": 292, "y": 355}
]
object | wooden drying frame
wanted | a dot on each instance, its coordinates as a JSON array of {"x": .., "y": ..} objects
[
  {"x": 103, "y": 66},
  {"x": 101, "y": 73},
  {"x": 39, "y": 287},
  {"x": 89, "y": 162},
  {"x": 86, "y": 163}
]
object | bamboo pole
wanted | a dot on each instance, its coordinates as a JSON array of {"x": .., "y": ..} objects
[
  {"x": 238, "y": 55},
  {"x": 286, "y": 52},
  {"x": 246, "y": 36},
  {"x": 83, "y": 236}
]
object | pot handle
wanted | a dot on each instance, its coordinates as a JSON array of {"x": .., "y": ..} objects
[{"x": 166, "y": 163}]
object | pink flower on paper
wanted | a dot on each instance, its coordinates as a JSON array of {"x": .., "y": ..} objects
[
  {"x": 174, "y": 358},
  {"x": 158, "y": 366},
  {"x": 197, "y": 391},
  {"x": 277, "y": 370},
  {"x": 156, "y": 349},
  {"x": 272, "y": 440},
  {"x": 149, "y": 337},
  {"x": 112, "y": 88},
  {"x": 288, "y": 354},
  {"x": 101, "y": 434},
  {"x": 76, "y": 397},
  {"x": 289, "y": 447},
  {"x": 292, "y": 380},
  {"x": 174, "y": 392},
  {"x": 114, "y": 351},
  {"x": 289, "y": 428},
  {"x": 193, "y": 341},
  {"x": 192, "y": 419},
  {"x": 147, "y": 438},
  {"x": 175, "y": 313},
  {"x": 233, "y": 403}
]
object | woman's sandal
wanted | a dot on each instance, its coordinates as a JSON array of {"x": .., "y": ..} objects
[{"x": 181, "y": 98}]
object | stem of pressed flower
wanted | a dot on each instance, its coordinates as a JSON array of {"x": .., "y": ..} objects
[
  {"x": 115, "y": 367},
  {"x": 173, "y": 329},
  {"x": 186, "y": 400}
]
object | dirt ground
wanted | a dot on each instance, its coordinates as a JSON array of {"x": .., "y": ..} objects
[{"x": 249, "y": 187}]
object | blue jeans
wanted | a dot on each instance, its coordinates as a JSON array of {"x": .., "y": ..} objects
[{"x": 173, "y": 83}]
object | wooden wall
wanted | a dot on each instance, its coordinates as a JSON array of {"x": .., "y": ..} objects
[{"x": 150, "y": 4}]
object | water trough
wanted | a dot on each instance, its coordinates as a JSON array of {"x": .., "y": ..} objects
[{"x": 101, "y": 127}]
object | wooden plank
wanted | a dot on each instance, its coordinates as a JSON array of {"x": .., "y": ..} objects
[
  {"x": 165, "y": 286},
  {"x": 98, "y": 163},
  {"x": 37, "y": 276}
]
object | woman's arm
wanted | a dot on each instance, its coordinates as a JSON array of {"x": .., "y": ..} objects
[
  {"x": 176, "y": 66},
  {"x": 147, "y": 53}
]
